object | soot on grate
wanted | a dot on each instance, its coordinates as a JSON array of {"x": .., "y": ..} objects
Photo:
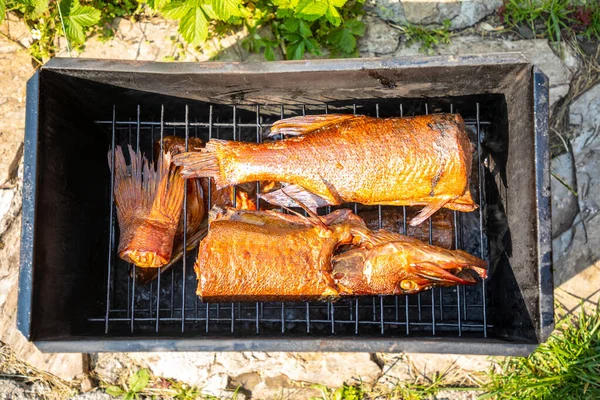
[{"x": 169, "y": 304}]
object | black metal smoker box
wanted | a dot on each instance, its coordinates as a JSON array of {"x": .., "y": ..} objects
[{"x": 76, "y": 295}]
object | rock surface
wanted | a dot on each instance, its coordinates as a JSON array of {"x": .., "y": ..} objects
[
  {"x": 13, "y": 390},
  {"x": 577, "y": 250},
  {"x": 564, "y": 203},
  {"x": 537, "y": 51},
  {"x": 212, "y": 371},
  {"x": 460, "y": 13},
  {"x": 379, "y": 39}
]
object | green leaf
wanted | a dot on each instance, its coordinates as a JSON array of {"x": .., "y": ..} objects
[
  {"x": 333, "y": 16},
  {"x": 295, "y": 51},
  {"x": 291, "y": 25},
  {"x": 312, "y": 46},
  {"x": 285, "y": 3},
  {"x": 156, "y": 4},
  {"x": 37, "y": 8},
  {"x": 292, "y": 37},
  {"x": 114, "y": 391},
  {"x": 129, "y": 396},
  {"x": 175, "y": 10},
  {"x": 355, "y": 26},
  {"x": 138, "y": 381},
  {"x": 269, "y": 53},
  {"x": 338, "y": 3},
  {"x": 225, "y": 9},
  {"x": 343, "y": 39},
  {"x": 194, "y": 26},
  {"x": 311, "y": 10},
  {"x": 209, "y": 10},
  {"x": 2, "y": 10},
  {"x": 74, "y": 33},
  {"x": 304, "y": 29},
  {"x": 83, "y": 15}
]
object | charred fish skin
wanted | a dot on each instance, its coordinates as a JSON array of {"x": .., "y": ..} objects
[
  {"x": 346, "y": 158},
  {"x": 270, "y": 256}
]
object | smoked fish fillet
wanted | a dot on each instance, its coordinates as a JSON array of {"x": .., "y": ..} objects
[
  {"x": 271, "y": 256},
  {"x": 335, "y": 158}
]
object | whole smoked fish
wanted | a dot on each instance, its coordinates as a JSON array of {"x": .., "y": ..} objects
[
  {"x": 271, "y": 256},
  {"x": 335, "y": 158}
]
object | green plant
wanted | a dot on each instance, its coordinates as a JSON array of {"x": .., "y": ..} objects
[
  {"x": 50, "y": 20},
  {"x": 136, "y": 383},
  {"x": 346, "y": 392},
  {"x": 554, "y": 18},
  {"x": 567, "y": 366},
  {"x": 428, "y": 38}
]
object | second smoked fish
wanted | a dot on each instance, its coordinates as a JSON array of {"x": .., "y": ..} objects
[{"x": 336, "y": 158}]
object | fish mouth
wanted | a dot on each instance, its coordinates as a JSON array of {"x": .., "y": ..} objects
[
  {"x": 144, "y": 259},
  {"x": 430, "y": 274}
]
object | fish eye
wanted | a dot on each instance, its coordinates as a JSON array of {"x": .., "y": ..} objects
[{"x": 408, "y": 285}]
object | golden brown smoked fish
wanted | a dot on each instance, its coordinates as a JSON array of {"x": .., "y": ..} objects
[
  {"x": 148, "y": 203},
  {"x": 387, "y": 263},
  {"x": 335, "y": 158},
  {"x": 267, "y": 255},
  {"x": 196, "y": 209}
]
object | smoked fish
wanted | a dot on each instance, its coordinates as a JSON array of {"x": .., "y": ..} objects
[
  {"x": 271, "y": 256},
  {"x": 335, "y": 158},
  {"x": 386, "y": 263}
]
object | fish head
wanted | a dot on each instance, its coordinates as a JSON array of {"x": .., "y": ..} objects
[{"x": 425, "y": 275}]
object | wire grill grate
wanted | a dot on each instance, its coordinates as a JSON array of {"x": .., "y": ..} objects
[{"x": 169, "y": 303}]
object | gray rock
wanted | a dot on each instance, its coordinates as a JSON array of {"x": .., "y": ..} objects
[
  {"x": 564, "y": 203},
  {"x": 577, "y": 251},
  {"x": 460, "y": 13},
  {"x": 96, "y": 395},
  {"x": 12, "y": 390},
  {"x": 537, "y": 51},
  {"x": 380, "y": 38},
  {"x": 587, "y": 109},
  {"x": 212, "y": 371}
]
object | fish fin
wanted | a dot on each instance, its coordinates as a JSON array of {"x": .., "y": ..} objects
[
  {"x": 134, "y": 190},
  {"x": 292, "y": 194},
  {"x": 429, "y": 210},
  {"x": 301, "y": 125},
  {"x": 168, "y": 201},
  {"x": 203, "y": 163},
  {"x": 314, "y": 218},
  {"x": 369, "y": 238},
  {"x": 433, "y": 272}
]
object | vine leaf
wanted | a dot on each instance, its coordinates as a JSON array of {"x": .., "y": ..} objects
[
  {"x": 76, "y": 18},
  {"x": 194, "y": 26}
]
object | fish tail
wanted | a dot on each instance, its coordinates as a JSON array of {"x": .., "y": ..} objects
[
  {"x": 130, "y": 188},
  {"x": 204, "y": 163},
  {"x": 168, "y": 200}
]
